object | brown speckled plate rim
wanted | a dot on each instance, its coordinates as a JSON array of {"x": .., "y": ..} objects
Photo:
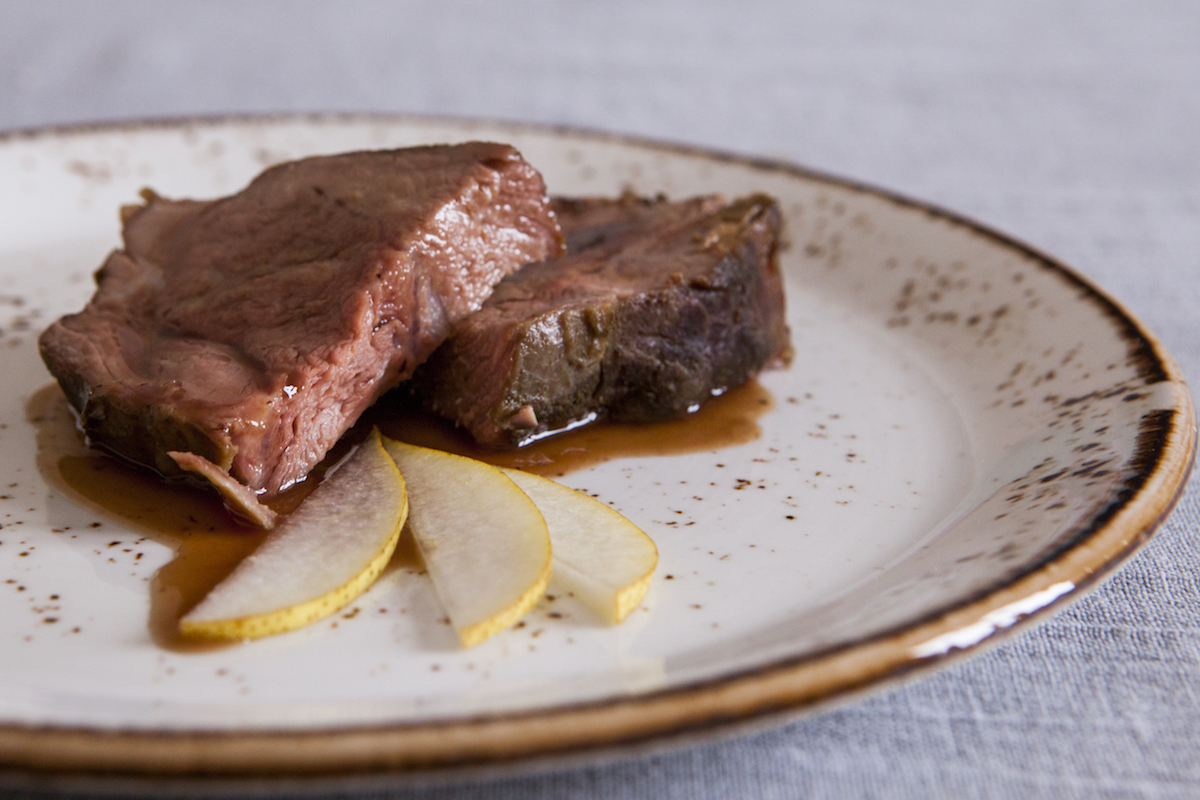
[{"x": 571, "y": 735}]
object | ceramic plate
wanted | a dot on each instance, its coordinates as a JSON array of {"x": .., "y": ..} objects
[{"x": 970, "y": 434}]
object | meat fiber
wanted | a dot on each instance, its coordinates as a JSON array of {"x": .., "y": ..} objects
[
  {"x": 656, "y": 307},
  {"x": 253, "y": 330}
]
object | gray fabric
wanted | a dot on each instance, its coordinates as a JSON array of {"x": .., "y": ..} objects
[{"x": 1070, "y": 124}]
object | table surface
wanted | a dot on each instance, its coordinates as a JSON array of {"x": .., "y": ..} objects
[{"x": 1071, "y": 125}]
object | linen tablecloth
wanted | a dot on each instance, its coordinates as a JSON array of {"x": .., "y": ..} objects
[{"x": 1072, "y": 125}]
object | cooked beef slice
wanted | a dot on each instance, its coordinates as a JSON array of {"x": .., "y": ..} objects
[
  {"x": 253, "y": 330},
  {"x": 656, "y": 307}
]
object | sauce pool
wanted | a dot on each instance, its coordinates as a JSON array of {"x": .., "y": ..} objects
[
  {"x": 724, "y": 421},
  {"x": 209, "y": 541}
]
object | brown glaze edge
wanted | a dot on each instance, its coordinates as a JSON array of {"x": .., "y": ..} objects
[{"x": 793, "y": 685}]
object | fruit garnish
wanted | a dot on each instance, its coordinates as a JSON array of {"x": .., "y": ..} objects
[
  {"x": 484, "y": 542},
  {"x": 319, "y": 559},
  {"x": 600, "y": 557}
]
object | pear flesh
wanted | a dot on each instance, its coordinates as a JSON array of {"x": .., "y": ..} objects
[
  {"x": 483, "y": 541},
  {"x": 324, "y": 555},
  {"x": 602, "y": 558}
]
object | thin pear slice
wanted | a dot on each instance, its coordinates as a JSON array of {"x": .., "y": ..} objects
[
  {"x": 327, "y": 553},
  {"x": 602, "y": 558},
  {"x": 483, "y": 541}
]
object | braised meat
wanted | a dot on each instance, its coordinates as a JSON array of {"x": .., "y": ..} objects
[
  {"x": 656, "y": 307},
  {"x": 253, "y": 330}
]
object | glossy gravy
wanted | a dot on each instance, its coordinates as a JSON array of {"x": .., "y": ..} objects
[
  {"x": 724, "y": 421},
  {"x": 209, "y": 541}
]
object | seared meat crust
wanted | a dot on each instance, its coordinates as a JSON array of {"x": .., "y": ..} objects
[{"x": 656, "y": 307}]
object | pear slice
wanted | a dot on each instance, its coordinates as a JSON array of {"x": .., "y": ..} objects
[
  {"x": 484, "y": 542},
  {"x": 602, "y": 558},
  {"x": 327, "y": 553}
]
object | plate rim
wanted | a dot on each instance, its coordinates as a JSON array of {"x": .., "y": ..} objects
[{"x": 784, "y": 689}]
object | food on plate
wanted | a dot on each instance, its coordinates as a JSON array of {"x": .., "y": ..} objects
[
  {"x": 600, "y": 558},
  {"x": 490, "y": 539},
  {"x": 236, "y": 340},
  {"x": 656, "y": 307},
  {"x": 483, "y": 541},
  {"x": 238, "y": 497},
  {"x": 328, "y": 552},
  {"x": 253, "y": 330}
]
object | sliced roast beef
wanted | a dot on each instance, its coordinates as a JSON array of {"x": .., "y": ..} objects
[
  {"x": 253, "y": 330},
  {"x": 656, "y": 307}
]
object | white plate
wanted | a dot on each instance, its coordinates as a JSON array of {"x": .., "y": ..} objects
[{"x": 970, "y": 434}]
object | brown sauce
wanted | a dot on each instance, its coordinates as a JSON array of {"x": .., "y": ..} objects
[
  {"x": 209, "y": 541},
  {"x": 724, "y": 421}
]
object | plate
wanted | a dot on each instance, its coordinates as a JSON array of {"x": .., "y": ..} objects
[{"x": 969, "y": 436}]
